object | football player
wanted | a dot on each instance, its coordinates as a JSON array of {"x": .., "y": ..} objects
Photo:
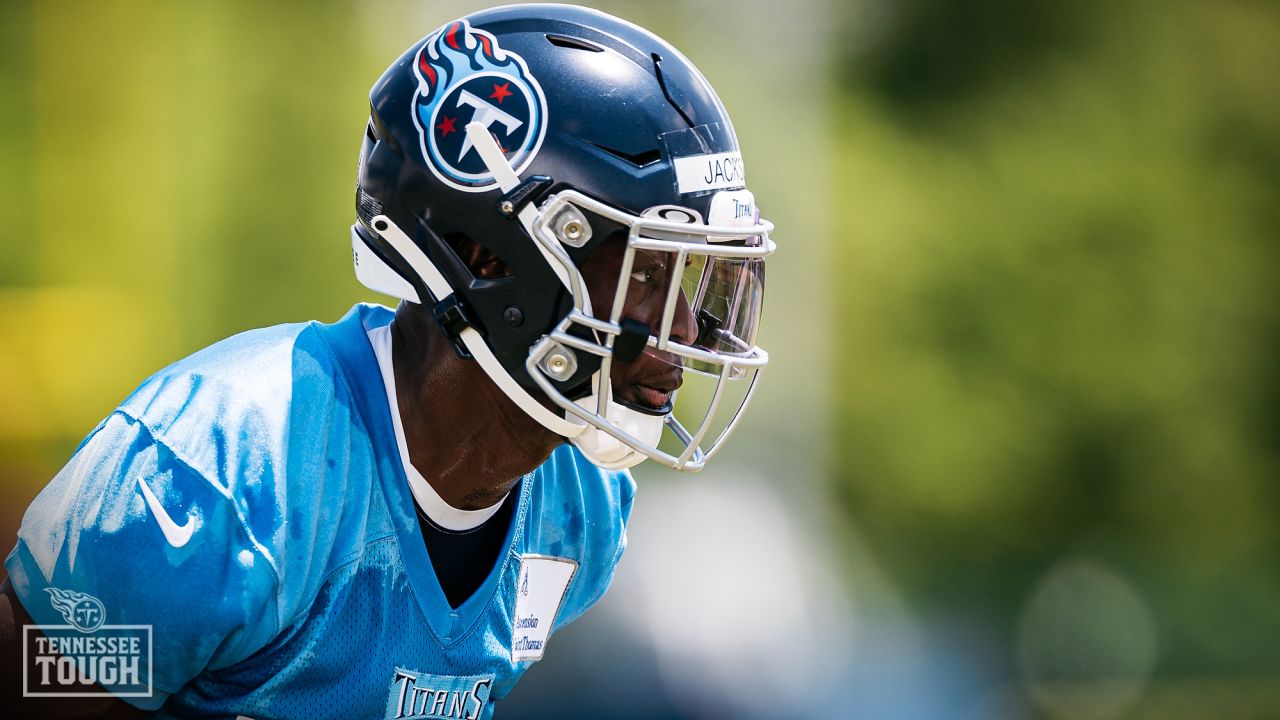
[{"x": 389, "y": 516}]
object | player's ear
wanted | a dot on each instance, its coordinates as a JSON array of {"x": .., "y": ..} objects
[{"x": 480, "y": 260}]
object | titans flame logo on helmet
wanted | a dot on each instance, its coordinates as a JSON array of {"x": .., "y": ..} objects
[{"x": 464, "y": 77}]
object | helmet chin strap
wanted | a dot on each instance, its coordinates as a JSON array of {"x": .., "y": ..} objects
[
  {"x": 439, "y": 287},
  {"x": 601, "y": 448}
]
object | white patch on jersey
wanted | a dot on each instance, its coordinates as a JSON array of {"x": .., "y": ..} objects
[
  {"x": 700, "y": 173},
  {"x": 539, "y": 593}
]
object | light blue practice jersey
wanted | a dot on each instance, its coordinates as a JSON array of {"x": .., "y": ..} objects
[{"x": 249, "y": 504}]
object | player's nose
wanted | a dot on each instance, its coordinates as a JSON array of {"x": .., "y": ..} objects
[{"x": 684, "y": 326}]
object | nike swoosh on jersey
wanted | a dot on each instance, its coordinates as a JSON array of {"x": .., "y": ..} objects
[{"x": 176, "y": 534}]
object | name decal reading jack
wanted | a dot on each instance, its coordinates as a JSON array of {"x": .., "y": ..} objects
[{"x": 702, "y": 173}]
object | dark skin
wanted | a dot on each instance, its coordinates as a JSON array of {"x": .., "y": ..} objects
[{"x": 465, "y": 436}]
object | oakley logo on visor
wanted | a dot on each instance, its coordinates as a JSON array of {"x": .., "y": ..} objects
[{"x": 673, "y": 213}]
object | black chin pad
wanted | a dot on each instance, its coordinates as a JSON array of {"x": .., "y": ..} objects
[
  {"x": 663, "y": 411},
  {"x": 631, "y": 341}
]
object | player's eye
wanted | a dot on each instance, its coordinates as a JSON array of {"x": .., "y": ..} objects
[
  {"x": 644, "y": 275},
  {"x": 649, "y": 271}
]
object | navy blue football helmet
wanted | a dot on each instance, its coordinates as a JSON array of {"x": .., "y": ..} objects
[{"x": 543, "y": 133}]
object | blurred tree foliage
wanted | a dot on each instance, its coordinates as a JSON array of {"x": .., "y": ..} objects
[
  {"x": 1057, "y": 326},
  {"x": 1061, "y": 331},
  {"x": 151, "y": 207}
]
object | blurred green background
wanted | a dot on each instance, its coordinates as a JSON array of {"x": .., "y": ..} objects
[{"x": 1026, "y": 391}]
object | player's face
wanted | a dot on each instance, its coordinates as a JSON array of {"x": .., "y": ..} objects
[{"x": 651, "y": 378}]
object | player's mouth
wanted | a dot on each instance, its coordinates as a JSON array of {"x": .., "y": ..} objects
[
  {"x": 653, "y": 393},
  {"x": 652, "y": 396}
]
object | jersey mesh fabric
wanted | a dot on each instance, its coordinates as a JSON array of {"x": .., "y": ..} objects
[{"x": 306, "y": 586}]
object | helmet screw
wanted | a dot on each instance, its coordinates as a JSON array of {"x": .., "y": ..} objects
[
  {"x": 507, "y": 207},
  {"x": 513, "y": 316},
  {"x": 572, "y": 227},
  {"x": 560, "y": 363}
]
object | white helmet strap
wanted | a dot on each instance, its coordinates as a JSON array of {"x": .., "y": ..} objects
[
  {"x": 600, "y": 447},
  {"x": 439, "y": 287}
]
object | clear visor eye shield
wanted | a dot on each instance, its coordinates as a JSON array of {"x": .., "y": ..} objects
[
  {"x": 714, "y": 277},
  {"x": 701, "y": 286}
]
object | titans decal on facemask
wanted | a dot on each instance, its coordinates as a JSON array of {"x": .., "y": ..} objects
[{"x": 464, "y": 77}]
